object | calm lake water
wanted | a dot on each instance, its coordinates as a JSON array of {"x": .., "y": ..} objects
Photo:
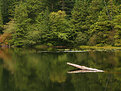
[{"x": 32, "y": 70}]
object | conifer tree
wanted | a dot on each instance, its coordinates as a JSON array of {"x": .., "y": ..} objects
[
  {"x": 51, "y": 4},
  {"x": 61, "y": 22},
  {"x": 66, "y": 5},
  {"x": 39, "y": 32},
  {"x": 102, "y": 31},
  {"x": 94, "y": 10},
  {"x": 25, "y": 19},
  {"x": 4, "y": 10},
  {"x": 22, "y": 24},
  {"x": 79, "y": 16},
  {"x": 59, "y": 28},
  {"x": 117, "y": 28},
  {"x": 1, "y": 18}
]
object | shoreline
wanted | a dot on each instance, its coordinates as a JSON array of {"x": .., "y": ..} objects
[
  {"x": 68, "y": 48},
  {"x": 103, "y": 47}
]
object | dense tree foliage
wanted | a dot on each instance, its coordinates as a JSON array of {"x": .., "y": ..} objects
[{"x": 61, "y": 22}]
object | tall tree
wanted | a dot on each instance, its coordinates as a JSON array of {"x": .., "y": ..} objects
[
  {"x": 94, "y": 10},
  {"x": 25, "y": 18},
  {"x": 79, "y": 28},
  {"x": 39, "y": 31},
  {"x": 66, "y": 6},
  {"x": 51, "y": 4},
  {"x": 1, "y": 18},
  {"x": 117, "y": 28},
  {"x": 102, "y": 31},
  {"x": 22, "y": 24},
  {"x": 59, "y": 28},
  {"x": 4, "y": 10}
]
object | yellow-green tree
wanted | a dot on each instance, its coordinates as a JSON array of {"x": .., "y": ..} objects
[{"x": 59, "y": 28}]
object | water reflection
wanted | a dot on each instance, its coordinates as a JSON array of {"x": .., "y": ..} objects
[{"x": 28, "y": 70}]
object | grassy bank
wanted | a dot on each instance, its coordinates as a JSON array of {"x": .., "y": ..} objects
[
  {"x": 82, "y": 47},
  {"x": 101, "y": 48}
]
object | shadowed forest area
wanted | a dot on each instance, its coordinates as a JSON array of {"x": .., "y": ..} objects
[{"x": 60, "y": 22}]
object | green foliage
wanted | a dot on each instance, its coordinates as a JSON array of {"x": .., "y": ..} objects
[
  {"x": 22, "y": 22},
  {"x": 10, "y": 27},
  {"x": 78, "y": 20},
  {"x": 25, "y": 18},
  {"x": 81, "y": 38},
  {"x": 51, "y": 4},
  {"x": 5, "y": 10},
  {"x": 94, "y": 10},
  {"x": 117, "y": 28},
  {"x": 66, "y": 6},
  {"x": 37, "y": 34},
  {"x": 102, "y": 32},
  {"x": 59, "y": 28},
  {"x": 79, "y": 15},
  {"x": 61, "y": 22},
  {"x": 1, "y": 18}
]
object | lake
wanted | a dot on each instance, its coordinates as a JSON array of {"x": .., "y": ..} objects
[{"x": 36, "y": 70}]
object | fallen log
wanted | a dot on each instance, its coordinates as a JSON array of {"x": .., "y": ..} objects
[
  {"x": 81, "y": 71},
  {"x": 84, "y": 68}
]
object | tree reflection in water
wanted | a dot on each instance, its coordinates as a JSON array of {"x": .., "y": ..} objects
[{"x": 27, "y": 70}]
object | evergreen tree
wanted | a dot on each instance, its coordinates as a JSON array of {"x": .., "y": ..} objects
[
  {"x": 34, "y": 7},
  {"x": 117, "y": 28},
  {"x": 79, "y": 16},
  {"x": 51, "y": 4},
  {"x": 11, "y": 7},
  {"x": 1, "y": 18},
  {"x": 25, "y": 19},
  {"x": 39, "y": 32},
  {"x": 102, "y": 31},
  {"x": 61, "y": 22},
  {"x": 7, "y": 9},
  {"x": 59, "y": 28},
  {"x": 94, "y": 10},
  {"x": 4, "y": 10},
  {"x": 22, "y": 24},
  {"x": 66, "y": 5}
]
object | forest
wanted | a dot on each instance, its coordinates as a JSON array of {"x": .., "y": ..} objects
[{"x": 27, "y": 23}]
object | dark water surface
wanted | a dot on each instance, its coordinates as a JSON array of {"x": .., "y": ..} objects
[{"x": 31, "y": 70}]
